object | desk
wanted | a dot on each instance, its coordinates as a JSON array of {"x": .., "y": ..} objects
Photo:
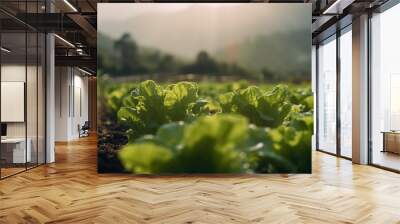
[
  {"x": 391, "y": 141},
  {"x": 16, "y": 147}
]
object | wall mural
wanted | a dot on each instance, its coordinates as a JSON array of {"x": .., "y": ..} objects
[{"x": 202, "y": 88}]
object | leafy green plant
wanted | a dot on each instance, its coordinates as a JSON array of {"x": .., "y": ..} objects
[
  {"x": 146, "y": 158},
  {"x": 222, "y": 143},
  {"x": 210, "y": 144},
  {"x": 262, "y": 108},
  {"x": 285, "y": 149},
  {"x": 302, "y": 96},
  {"x": 207, "y": 128},
  {"x": 150, "y": 105}
]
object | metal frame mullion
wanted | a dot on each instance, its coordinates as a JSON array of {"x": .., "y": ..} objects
[
  {"x": 26, "y": 87},
  {"x": 369, "y": 96},
  {"x": 0, "y": 93},
  {"x": 316, "y": 96},
  {"x": 338, "y": 73},
  {"x": 37, "y": 91}
]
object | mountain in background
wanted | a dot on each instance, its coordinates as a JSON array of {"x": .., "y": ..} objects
[
  {"x": 266, "y": 53},
  {"x": 104, "y": 42}
]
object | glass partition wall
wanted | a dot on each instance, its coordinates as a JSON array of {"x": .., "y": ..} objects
[
  {"x": 334, "y": 90},
  {"x": 13, "y": 90},
  {"x": 327, "y": 95},
  {"x": 334, "y": 94},
  {"x": 345, "y": 62},
  {"x": 385, "y": 89},
  {"x": 22, "y": 98}
]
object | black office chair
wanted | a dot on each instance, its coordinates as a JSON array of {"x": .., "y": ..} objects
[{"x": 84, "y": 130}]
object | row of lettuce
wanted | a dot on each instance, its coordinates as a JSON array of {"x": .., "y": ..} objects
[{"x": 209, "y": 128}]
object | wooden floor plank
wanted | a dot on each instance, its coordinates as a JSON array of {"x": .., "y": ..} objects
[{"x": 71, "y": 191}]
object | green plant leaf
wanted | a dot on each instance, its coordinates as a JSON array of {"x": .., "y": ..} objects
[{"x": 146, "y": 158}]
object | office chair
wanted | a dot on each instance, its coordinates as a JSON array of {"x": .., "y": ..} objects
[{"x": 84, "y": 130}]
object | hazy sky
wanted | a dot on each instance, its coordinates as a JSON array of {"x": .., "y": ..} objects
[
  {"x": 253, "y": 33},
  {"x": 123, "y": 11},
  {"x": 238, "y": 20}
]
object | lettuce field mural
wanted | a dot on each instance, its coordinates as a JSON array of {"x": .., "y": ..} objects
[{"x": 189, "y": 98}]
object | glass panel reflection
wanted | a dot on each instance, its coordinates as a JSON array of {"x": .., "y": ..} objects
[
  {"x": 15, "y": 151},
  {"x": 385, "y": 89},
  {"x": 327, "y": 96},
  {"x": 346, "y": 94}
]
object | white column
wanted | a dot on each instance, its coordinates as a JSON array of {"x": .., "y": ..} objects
[
  {"x": 360, "y": 90},
  {"x": 50, "y": 98}
]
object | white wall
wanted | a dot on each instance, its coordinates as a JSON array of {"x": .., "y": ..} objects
[
  {"x": 80, "y": 110},
  {"x": 12, "y": 73},
  {"x": 62, "y": 82},
  {"x": 71, "y": 94},
  {"x": 16, "y": 73}
]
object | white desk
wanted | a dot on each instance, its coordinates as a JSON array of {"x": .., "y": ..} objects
[{"x": 19, "y": 155}]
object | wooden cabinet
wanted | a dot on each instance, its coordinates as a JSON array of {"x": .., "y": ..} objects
[{"x": 391, "y": 142}]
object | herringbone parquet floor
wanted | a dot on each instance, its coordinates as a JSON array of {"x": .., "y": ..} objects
[{"x": 70, "y": 191}]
